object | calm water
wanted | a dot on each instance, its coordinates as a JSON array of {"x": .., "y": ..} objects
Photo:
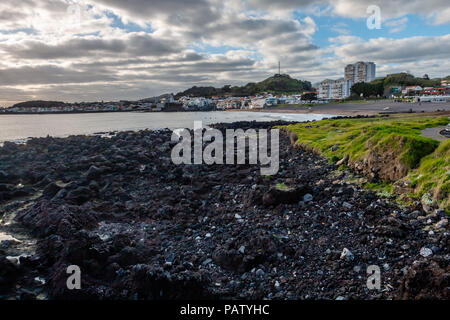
[{"x": 17, "y": 127}]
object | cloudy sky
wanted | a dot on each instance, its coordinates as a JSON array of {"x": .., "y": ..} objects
[{"x": 90, "y": 50}]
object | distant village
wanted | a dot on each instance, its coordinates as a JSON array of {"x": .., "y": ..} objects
[
  {"x": 170, "y": 104},
  {"x": 326, "y": 91}
]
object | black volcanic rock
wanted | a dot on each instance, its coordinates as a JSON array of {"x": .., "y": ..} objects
[{"x": 140, "y": 227}]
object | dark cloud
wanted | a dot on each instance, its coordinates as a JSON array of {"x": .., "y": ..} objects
[
  {"x": 136, "y": 45},
  {"x": 49, "y": 74}
]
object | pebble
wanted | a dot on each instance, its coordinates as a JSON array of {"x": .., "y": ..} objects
[
  {"x": 260, "y": 273},
  {"x": 426, "y": 252},
  {"x": 307, "y": 198},
  {"x": 357, "y": 269},
  {"x": 442, "y": 224},
  {"x": 347, "y": 205},
  {"x": 347, "y": 255}
]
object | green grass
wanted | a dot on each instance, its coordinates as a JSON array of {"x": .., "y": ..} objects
[
  {"x": 432, "y": 178},
  {"x": 396, "y": 138},
  {"x": 383, "y": 188},
  {"x": 282, "y": 186}
]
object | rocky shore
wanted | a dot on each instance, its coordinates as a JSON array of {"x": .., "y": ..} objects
[{"x": 140, "y": 227}]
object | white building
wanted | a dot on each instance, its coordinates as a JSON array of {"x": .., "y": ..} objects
[
  {"x": 258, "y": 103},
  {"x": 334, "y": 89}
]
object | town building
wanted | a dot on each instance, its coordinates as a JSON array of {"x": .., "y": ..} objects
[
  {"x": 412, "y": 90},
  {"x": 360, "y": 72},
  {"x": 334, "y": 89}
]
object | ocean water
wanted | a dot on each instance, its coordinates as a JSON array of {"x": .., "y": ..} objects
[{"x": 20, "y": 127}]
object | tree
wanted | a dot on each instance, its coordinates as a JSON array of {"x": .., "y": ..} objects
[
  {"x": 367, "y": 89},
  {"x": 309, "y": 96}
]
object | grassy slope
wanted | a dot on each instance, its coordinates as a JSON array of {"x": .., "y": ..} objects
[
  {"x": 426, "y": 161},
  {"x": 433, "y": 176}
]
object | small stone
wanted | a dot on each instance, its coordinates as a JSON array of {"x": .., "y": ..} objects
[
  {"x": 242, "y": 250},
  {"x": 347, "y": 205},
  {"x": 435, "y": 249},
  {"x": 357, "y": 269},
  {"x": 260, "y": 273},
  {"x": 307, "y": 198},
  {"x": 208, "y": 235},
  {"x": 405, "y": 247},
  {"x": 442, "y": 224},
  {"x": 427, "y": 208},
  {"x": 404, "y": 270},
  {"x": 340, "y": 298},
  {"x": 278, "y": 286},
  {"x": 207, "y": 261},
  {"x": 237, "y": 216},
  {"x": 344, "y": 160},
  {"x": 414, "y": 214},
  {"x": 441, "y": 213},
  {"x": 426, "y": 252},
  {"x": 347, "y": 255}
]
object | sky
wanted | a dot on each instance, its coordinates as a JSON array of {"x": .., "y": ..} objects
[{"x": 92, "y": 50}]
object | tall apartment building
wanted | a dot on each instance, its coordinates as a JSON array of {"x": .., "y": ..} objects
[
  {"x": 359, "y": 72},
  {"x": 354, "y": 73}
]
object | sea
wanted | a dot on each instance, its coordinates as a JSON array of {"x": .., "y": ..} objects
[{"x": 19, "y": 128}]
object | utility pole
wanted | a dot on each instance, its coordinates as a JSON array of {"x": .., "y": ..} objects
[{"x": 279, "y": 68}]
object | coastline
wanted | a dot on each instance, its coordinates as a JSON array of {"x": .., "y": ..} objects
[
  {"x": 357, "y": 108},
  {"x": 92, "y": 112}
]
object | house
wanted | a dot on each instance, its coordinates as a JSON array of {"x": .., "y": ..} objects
[
  {"x": 257, "y": 103},
  {"x": 412, "y": 90}
]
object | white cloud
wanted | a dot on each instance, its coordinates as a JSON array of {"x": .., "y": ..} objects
[{"x": 397, "y": 25}]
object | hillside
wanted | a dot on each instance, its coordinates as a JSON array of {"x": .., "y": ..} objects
[
  {"x": 383, "y": 86},
  {"x": 406, "y": 79},
  {"x": 38, "y": 104},
  {"x": 276, "y": 84}
]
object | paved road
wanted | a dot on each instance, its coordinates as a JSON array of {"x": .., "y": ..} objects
[
  {"x": 434, "y": 133},
  {"x": 366, "y": 108}
]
